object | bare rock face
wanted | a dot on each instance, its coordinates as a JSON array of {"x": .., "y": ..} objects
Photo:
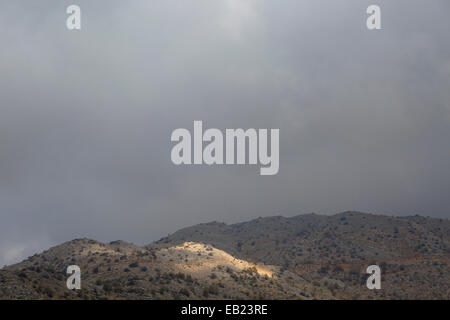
[{"x": 303, "y": 257}]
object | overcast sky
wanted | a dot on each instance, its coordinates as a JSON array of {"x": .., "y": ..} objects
[{"x": 86, "y": 116}]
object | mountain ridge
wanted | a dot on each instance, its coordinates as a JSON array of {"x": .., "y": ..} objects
[{"x": 306, "y": 256}]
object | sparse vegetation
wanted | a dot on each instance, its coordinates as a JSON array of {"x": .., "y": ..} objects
[{"x": 310, "y": 256}]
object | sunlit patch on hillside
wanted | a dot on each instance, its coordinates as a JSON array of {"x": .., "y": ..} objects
[{"x": 201, "y": 260}]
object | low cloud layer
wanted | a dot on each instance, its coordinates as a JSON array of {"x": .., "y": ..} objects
[{"x": 86, "y": 116}]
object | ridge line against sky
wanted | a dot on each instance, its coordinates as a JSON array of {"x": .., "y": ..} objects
[{"x": 86, "y": 116}]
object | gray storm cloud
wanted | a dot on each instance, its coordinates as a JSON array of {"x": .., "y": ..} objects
[{"x": 86, "y": 116}]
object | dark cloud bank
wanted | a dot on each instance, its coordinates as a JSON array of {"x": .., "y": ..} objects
[{"x": 86, "y": 117}]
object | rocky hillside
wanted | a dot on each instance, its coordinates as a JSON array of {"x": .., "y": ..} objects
[
  {"x": 119, "y": 270},
  {"x": 303, "y": 257},
  {"x": 413, "y": 252}
]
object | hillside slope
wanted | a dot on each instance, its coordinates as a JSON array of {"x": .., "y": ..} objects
[
  {"x": 413, "y": 252},
  {"x": 119, "y": 270},
  {"x": 303, "y": 257}
]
